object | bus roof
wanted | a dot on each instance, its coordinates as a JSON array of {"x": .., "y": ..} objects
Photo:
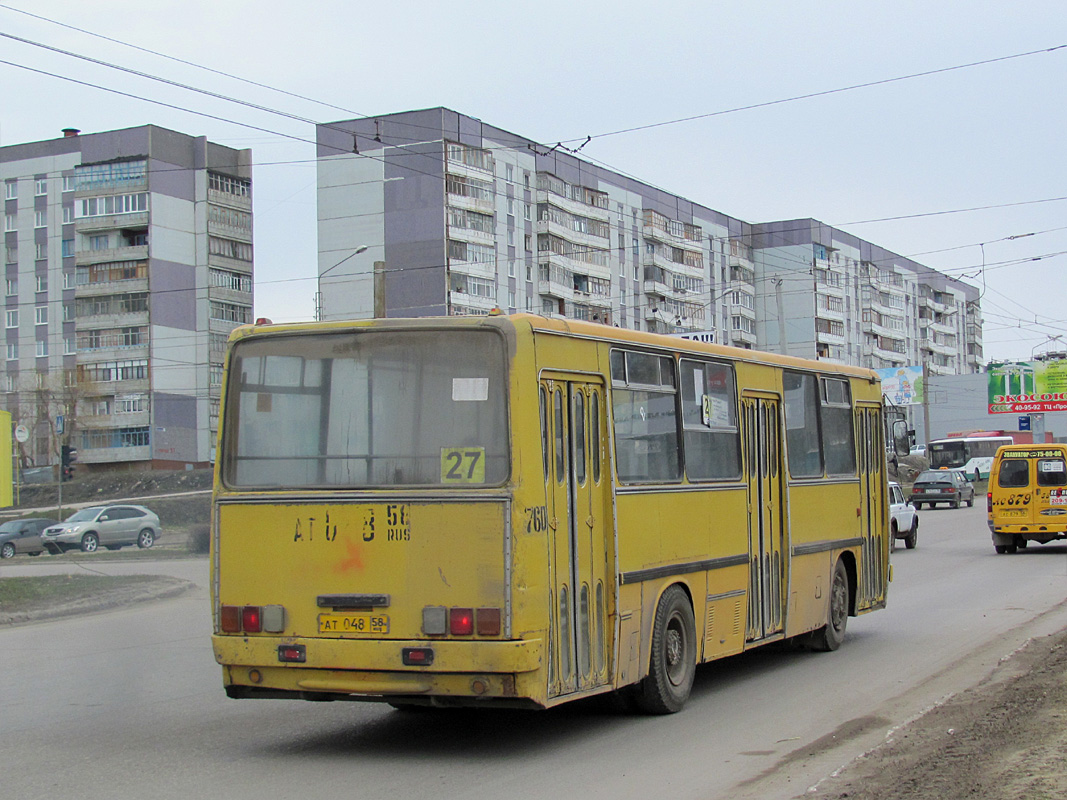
[{"x": 564, "y": 327}]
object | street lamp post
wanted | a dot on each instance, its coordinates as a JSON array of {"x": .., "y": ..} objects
[{"x": 318, "y": 294}]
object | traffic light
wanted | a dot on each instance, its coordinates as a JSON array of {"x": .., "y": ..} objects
[{"x": 68, "y": 455}]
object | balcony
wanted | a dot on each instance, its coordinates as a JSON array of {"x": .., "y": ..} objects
[{"x": 126, "y": 253}]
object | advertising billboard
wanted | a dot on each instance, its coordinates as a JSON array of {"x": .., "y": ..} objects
[
  {"x": 1026, "y": 387},
  {"x": 902, "y": 386}
]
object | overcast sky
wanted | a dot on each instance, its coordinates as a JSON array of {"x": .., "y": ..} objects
[{"x": 920, "y": 150}]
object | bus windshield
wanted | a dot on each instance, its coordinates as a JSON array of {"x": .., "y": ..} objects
[
  {"x": 947, "y": 454},
  {"x": 367, "y": 408}
]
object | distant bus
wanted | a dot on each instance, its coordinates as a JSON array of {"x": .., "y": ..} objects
[
  {"x": 971, "y": 455},
  {"x": 518, "y": 511}
]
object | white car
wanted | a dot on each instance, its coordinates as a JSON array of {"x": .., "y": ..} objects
[{"x": 904, "y": 519}]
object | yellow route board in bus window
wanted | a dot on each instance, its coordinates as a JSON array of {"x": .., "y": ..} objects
[{"x": 462, "y": 465}]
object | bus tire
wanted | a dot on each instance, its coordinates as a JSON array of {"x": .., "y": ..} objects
[
  {"x": 830, "y": 636},
  {"x": 672, "y": 665},
  {"x": 1021, "y": 542}
]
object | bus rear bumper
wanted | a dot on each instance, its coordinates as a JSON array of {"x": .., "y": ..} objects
[{"x": 374, "y": 669}]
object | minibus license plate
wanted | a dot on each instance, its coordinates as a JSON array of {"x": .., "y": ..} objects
[{"x": 357, "y": 624}]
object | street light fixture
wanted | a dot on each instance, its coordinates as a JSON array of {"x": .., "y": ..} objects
[{"x": 318, "y": 294}]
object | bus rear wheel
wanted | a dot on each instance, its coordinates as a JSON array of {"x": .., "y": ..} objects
[
  {"x": 673, "y": 662},
  {"x": 830, "y": 636}
]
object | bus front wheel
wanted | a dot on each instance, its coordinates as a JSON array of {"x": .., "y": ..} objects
[
  {"x": 673, "y": 661},
  {"x": 830, "y": 636}
]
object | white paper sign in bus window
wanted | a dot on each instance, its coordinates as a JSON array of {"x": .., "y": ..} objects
[
  {"x": 714, "y": 411},
  {"x": 470, "y": 390}
]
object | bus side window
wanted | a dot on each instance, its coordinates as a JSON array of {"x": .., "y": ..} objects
[
  {"x": 544, "y": 432},
  {"x": 1014, "y": 473}
]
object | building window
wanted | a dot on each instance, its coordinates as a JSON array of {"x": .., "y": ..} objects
[
  {"x": 99, "y": 242},
  {"x": 11, "y": 318},
  {"x": 68, "y": 214},
  {"x": 68, "y": 183},
  {"x": 111, "y": 204},
  {"x": 10, "y": 222},
  {"x": 224, "y": 183},
  {"x": 229, "y": 248},
  {"x": 12, "y": 287},
  {"x": 42, "y": 282},
  {"x": 231, "y": 312},
  {"x": 106, "y": 371},
  {"x": 41, "y": 186},
  {"x": 11, "y": 190},
  {"x": 226, "y": 279},
  {"x": 111, "y": 271},
  {"x": 110, "y": 175},
  {"x": 509, "y": 173},
  {"x": 12, "y": 351},
  {"x": 10, "y": 383},
  {"x": 215, "y": 374},
  {"x": 11, "y": 254},
  {"x": 40, "y": 315},
  {"x": 229, "y": 218},
  {"x": 111, "y": 304},
  {"x": 68, "y": 280},
  {"x": 40, "y": 219},
  {"x": 69, "y": 346},
  {"x": 68, "y": 312},
  {"x": 119, "y": 437},
  {"x": 42, "y": 347},
  {"x": 131, "y": 405},
  {"x": 68, "y": 248},
  {"x": 41, "y": 251}
]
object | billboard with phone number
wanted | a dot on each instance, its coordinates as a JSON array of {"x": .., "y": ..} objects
[{"x": 1027, "y": 387}]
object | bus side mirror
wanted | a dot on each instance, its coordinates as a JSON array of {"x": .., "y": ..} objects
[{"x": 901, "y": 437}]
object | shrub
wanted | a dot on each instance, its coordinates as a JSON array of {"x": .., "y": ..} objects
[{"x": 200, "y": 539}]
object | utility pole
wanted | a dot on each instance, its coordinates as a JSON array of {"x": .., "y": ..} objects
[
  {"x": 926, "y": 403},
  {"x": 379, "y": 289}
]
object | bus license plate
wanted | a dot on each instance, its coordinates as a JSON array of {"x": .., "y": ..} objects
[
  {"x": 357, "y": 624},
  {"x": 1014, "y": 512}
]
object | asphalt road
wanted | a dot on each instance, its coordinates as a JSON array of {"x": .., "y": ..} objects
[{"x": 129, "y": 704}]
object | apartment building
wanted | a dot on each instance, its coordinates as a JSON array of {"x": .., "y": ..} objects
[
  {"x": 128, "y": 259},
  {"x": 432, "y": 212},
  {"x": 845, "y": 299}
]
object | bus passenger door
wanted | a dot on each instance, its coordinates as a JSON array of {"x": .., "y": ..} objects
[
  {"x": 874, "y": 526},
  {"x": 766, "y": 530},
  {"x": 581, "y": 534}
]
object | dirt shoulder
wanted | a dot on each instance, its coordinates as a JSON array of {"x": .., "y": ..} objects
[{"x": 1005, "y": 739}]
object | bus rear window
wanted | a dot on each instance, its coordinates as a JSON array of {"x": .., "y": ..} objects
[
  {"x": 367, "y": 408},
  {"x": 1014, "y": 473},
  {"x": 1051, "y": 472}
]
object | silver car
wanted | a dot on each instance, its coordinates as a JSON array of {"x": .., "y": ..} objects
[{"x": 103, "y": 526}]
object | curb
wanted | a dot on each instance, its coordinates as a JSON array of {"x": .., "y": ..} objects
[{"x": 163, "y": 588}]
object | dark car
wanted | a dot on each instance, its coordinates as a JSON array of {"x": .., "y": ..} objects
[
  {"x": 23, "y": 536},
  {"x": 942, "y": 486}
]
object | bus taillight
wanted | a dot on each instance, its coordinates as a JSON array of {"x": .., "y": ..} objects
[
  {"x": 461, "y": 621},
  {"x": 230, "y": 619},
  {"x": 488, "y": 621},
  {"x": 252, "y": 619}
]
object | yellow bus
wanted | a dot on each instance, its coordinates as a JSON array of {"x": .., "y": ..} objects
[{"x": 512, "y": 510}]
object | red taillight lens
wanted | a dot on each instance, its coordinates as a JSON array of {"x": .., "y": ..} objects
[
  {"x": 461, "y": 621},
  {"x": 989, "y": 503},
  {"x": 252, "y": 619},
  {"x": 230, "y": 619},
  {"x": 488, "y": 621}
]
